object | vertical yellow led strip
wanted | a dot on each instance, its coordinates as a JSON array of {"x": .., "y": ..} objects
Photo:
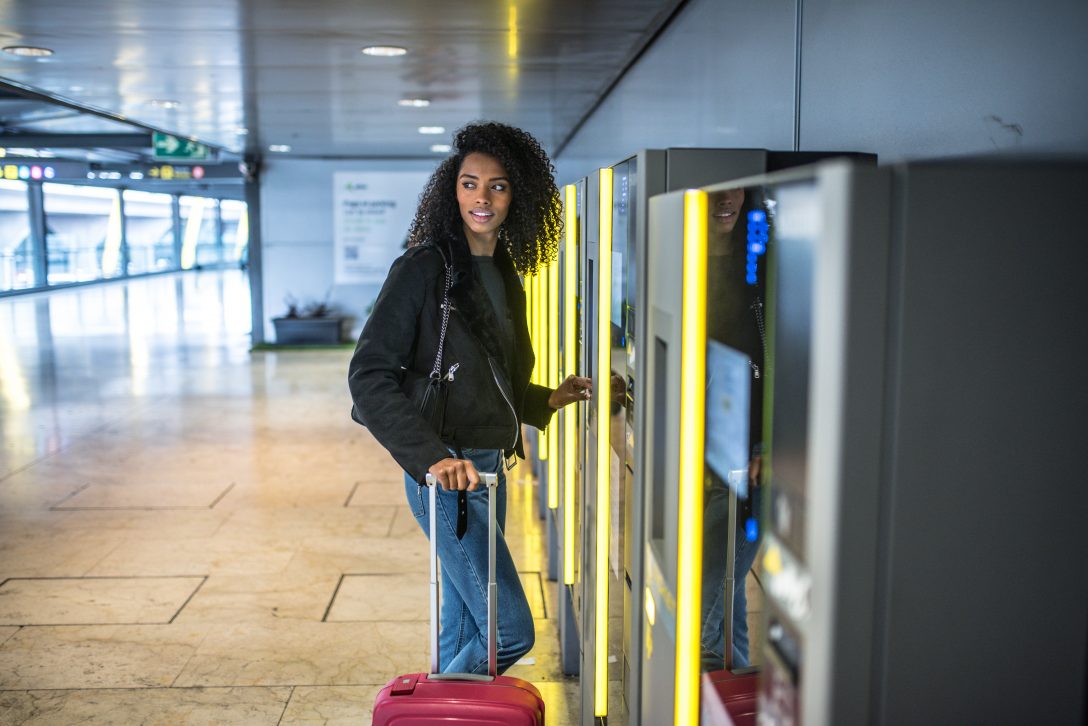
[
  {"x": 601, "y": 393},
  {"x": 534, "y": 331},
  {"x": 553, "y": 382},
  {"x": 692, "y": 445},
  {"x": 530, "y": 318},
  {"x": 570, "y": 364},
  {"x": 542, "y": 350}
]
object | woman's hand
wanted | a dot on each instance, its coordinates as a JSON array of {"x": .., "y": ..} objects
[
  {"x": 455, "y": 474},
  {"x": 573, "y": 388}
]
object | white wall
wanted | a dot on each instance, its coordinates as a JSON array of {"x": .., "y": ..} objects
[
  {"x": 902, "y": 78},
  {"x": 297, "y": 234}
]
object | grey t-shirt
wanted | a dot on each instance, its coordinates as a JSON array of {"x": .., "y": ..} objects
[{"x": 492, "y": 281}]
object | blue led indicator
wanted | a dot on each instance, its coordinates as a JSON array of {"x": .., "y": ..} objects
[
  {"x": 757, "y": 216},
  {"x": 24, "y": 172},
  {"x": 751, "y": 529}
]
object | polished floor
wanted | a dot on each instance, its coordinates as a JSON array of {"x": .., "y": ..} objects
[{"x": 194, "y": 533}]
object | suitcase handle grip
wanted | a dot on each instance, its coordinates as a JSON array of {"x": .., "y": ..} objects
[{"x": 491, "y": 481}]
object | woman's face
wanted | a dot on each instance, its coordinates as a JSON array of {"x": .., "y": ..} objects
[
  {"x": 726, "y": 210},
  {"x": 483, "y": 195}
]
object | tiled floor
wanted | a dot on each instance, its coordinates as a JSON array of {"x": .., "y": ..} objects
[{"x": 193, "y": 533}]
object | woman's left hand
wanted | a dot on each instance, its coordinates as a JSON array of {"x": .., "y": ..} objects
[{"x": 572, "y": 389}]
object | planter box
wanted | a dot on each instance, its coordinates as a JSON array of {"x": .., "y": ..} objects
[{"x": 308, "y": 331}]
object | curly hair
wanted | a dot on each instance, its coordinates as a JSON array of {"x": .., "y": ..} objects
[{"x": 535, "y": 221}]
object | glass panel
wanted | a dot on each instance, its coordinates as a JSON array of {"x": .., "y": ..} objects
[
  {"x": 16, "y": 246},
  {"x": 200, "y": 243},
  {"x": 737, "y": 239},
  {"x": 82, "y": 233},
  {"x": 235, "y": 231},
  {"x": 150, "y": 232}
]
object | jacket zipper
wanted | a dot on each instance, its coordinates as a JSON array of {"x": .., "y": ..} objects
[
  {"x": 495, "y": 375},
  {"x": 757, "y": 308}
]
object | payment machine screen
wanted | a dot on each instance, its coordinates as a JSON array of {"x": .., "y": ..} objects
[
  {"x": 796, "y": 226},
  {"x": 728, "y": 391}
]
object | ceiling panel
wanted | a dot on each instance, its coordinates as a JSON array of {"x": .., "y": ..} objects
[{"x": 292, "y": 72}]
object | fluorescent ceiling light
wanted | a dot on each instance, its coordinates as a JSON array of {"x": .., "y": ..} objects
[
  {"x": 441, "y": 148},
  {"x": 241, "y": 131},
  {"x": 28, "y": 51},
  {"x": 414, "y": 102},
  {"x": 280, "y": 148},
  {"x": 165, "y": 103},
  {"x": 432, "y": 129},
  {"x": 384, "y": 51}
]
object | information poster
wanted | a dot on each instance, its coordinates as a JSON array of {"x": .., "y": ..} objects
[{"x": 371, "y": 214}]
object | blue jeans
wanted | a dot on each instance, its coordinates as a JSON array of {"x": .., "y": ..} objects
[
  {"x": 462, "y": 640},
  {"x": 716, "y": 513}
]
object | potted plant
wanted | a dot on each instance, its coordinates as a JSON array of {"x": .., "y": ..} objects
[{"x": 315, "y": 323}]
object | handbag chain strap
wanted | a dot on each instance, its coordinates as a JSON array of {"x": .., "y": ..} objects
[{"x": 436, "y": 372}]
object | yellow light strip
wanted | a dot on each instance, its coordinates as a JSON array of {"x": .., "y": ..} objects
[
  {"x": 570, "y": 365},
  {"x": 553, "y": 382},
  {"x": 542, "y": 324},
  {"x": 530, "y": 320},
  {"x": 692, "y": 452},
  {"x": 534, "y": 331},
  {"x": 601, "y": 394}
]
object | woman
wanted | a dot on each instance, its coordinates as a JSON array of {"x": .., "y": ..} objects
[{"x": 489, "y": 213}]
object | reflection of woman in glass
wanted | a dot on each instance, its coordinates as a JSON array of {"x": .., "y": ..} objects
[{"x": 734, "y": 318}]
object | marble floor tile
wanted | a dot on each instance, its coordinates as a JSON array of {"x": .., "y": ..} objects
[
  {"x": 331, "y": 705},
  {"x": 99, "y": 656},
  {"x": 152, "y": 493},
  {"x": 562, "y": 701},
  {"x": 387, "y": 492},
  {"x": 290, "y": 595},
  {"x": 374, "y": 596},
  {"x": 94, "y": 601},
  {"x": 306, "y": 654},
  {"x": 348, "y": 554},
  {"x": 215, "y": 555},
  {"x": 301, "y": 523},
  {"x": 404, "y": 525},
  {"x": 533, "y": 585},
  {"x": 50, "y": 552},
  {"x": 147, "y": 706}
]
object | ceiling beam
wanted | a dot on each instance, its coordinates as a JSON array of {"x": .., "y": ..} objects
[{"x": 136, "y": 140}]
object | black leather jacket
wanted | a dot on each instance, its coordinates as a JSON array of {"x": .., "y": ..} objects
[{"x": 490, "y": 395}]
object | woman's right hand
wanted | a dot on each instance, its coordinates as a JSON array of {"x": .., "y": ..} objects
[{"x": 455, "y": 474}]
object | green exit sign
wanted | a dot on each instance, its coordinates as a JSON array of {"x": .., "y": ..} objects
[{"x": 166, "y": 146}]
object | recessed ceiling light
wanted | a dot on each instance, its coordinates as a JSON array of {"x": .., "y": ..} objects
[
  {"x": 384, "y": 51},
  {"x": 28, "y": 51},
  {"x": 76, "y": 89},
  {"x": 414, "y": 102},
  {"x": 280, "y": 148},
  {"x": 165, "y": 103},
  {"x": 441, "y": 148},
  {"x": 240, "y": 131},
  {"x": 432, "y": 129}
]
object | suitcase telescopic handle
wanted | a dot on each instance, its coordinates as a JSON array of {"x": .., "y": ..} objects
[{"x": 491, "y": 481}]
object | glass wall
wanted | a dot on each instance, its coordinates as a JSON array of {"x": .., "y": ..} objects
[
  {"x": 149, "y": 227},
  {"x": 235, "y": 230},
  {"x": 200, "y": 243},
  {"x": 16, "y": 248},
  {"x": 82, "y": 232},
  {"x": 90, "y": 235}
]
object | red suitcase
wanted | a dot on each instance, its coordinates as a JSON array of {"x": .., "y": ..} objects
[
  {"x": 729, "y": 696},
  {"x": 421, "y": 699}
]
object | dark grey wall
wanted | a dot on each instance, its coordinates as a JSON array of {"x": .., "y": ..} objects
[{"x": 903, "y": 79}]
